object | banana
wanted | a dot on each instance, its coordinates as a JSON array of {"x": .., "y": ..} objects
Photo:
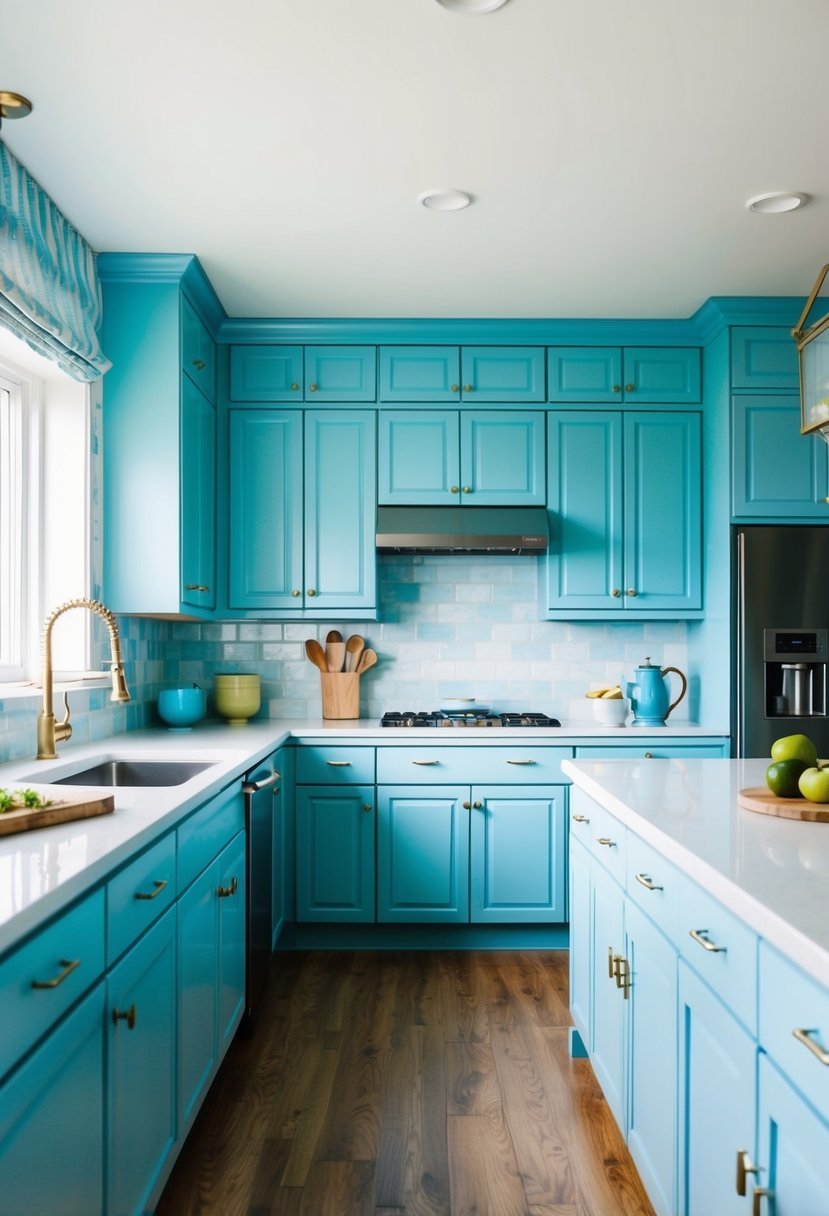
[
  {"x": 612, "y": 694},
  {"x": 606, "y": 690}
]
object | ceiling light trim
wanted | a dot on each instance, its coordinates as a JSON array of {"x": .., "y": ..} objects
[
  {"x": 472, "y": 8},
  {"x": 777, "y": 202},
  {"x": 444, "y": 198}
]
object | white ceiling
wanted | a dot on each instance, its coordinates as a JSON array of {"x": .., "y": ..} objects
[{"x": 610, "y": 147}]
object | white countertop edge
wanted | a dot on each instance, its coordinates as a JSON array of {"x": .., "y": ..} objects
[{"x": 799, "y": 949}]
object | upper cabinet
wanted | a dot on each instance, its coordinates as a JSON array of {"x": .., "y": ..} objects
[
  {"x": 763, "y": 357},
  {"x": 624, "y": 500},
  {"x": 633, "y": 375},
  {"x": 159, "y": 419},
  {"x": 424, "y": 374},
  {"x": 492, "y": 458},
  {"x": 295, "y": 373}
]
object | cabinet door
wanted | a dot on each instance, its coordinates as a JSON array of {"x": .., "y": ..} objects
[
  {"x": 141, "y": 996},
  {"x": 198, "y": 351},
  {"x": 662, "y": 375},
  {"x": 652, "y": 1072},
  {"x": 584, "y": 501},
  {"x": 265, "y": 535},
  {"x": 198, "y": 967},
  {"x": 585, "y": 373},
  {"x": 581, "y": 962},
  {"x": 663, "y": 512},
  {"x": 198, "y": 498},
  {"x": 717, "y": 1096},
  {"x": 340, "y": 373},
  {"x": 52, "y": 1121},
  {"x": 517, "y": 855},
  {"x": 609, "y": 1005},
  {"x": 763, "y": 357},
  {"x": 502, "y": 373},
  {"x": 777, "y": 472},
  {"x": 420, "y": 373},
  {"x": 340, "y": 514},
  {"x": 792, "y": 1151},
  {"x": 502, "y": 459},
  {"x": 230, "y": 892},
  {"x": 266, "y": 373},
  {"x": 423, "y": 854},
  {"x": 419, "y": 457},
  {"x": 335, "y": 853}
]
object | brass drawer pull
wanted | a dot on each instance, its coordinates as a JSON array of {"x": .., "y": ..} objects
[
  {"x": 647, "y": 882},
  {"x": 339, "y": 763},
  {"x": 196, "y": 587},
  {"x": 426, "y": 762},
  {"x": 253, "y": 787},
  {"x": 759, "y": 1193},
  {"x": 611, "y": 963},
  {"x": 805, "y": 1037},
  {"x": 699, "y": 937},
  {"x": 68, "y": 965},
  {"x": 580, "y": 819},
  {"x": 224, "y": 892},
  {"x": 126, "y": 1015},
  {"x": 621, "y": 970},
  {"x": 159, "y": 884},
  {"x": 605, "y": 840},
  {"x": 521, "y": 762},
  {"x": 744, "y": 1167}
]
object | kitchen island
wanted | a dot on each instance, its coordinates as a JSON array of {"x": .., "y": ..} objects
[{"x": 699, "y": 982}]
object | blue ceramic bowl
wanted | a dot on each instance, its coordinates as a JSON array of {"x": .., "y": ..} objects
[{"x": 181, "y": 707}]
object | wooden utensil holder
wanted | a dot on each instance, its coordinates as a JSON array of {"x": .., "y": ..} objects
[{"x": 340, "y": 694}]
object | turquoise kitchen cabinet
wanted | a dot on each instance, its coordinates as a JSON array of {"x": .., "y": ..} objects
[
  {"x": 607, "y": 1044},
  {"x": 435, "y": 374},
  {"x": 650, "y": 750},
  {"x": 52, "y": 1120},
  {"x": 335, "y": 866},
  {"x": 763, "y": 358},
  {"x": 792, "y": 1150},
  {"x": 517, "y": 845},
  {"x": 302, "y": 511},
  {"x": 580, "y": 953},
  {"x": 635, "y": 375},
  {"x": 211, "y": 973},
  {"x": 423, "y": 854},
  {"x": 624, "y": 497},
  {"x": 491, "y": 458},
  {"x": 777, "y": 473},
  {"x": 282, "y": 844},
  {"x": 159, "y": 424},
  {"x": 141, "y": 1067},
  {"x": 293, "y": 373}
]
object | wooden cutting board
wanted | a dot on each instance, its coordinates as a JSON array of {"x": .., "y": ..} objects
[
  {"x": 59, "y": 812},
  {"x": 758, "y": 798}
]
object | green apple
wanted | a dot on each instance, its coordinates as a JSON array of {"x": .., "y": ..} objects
[
  {"x": 795, "y": 747},
  {"x": 782, "y": 777},
  {"x": 814, "y": 784}
]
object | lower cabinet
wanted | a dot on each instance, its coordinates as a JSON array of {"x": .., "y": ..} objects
[
  {"x": 792, "y": 1150},
  {"x": 423, "y": 854},
  {"x": 335, "y": 876}
]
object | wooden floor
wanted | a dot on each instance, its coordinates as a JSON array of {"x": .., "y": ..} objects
[{"x": 407, "y": 1084}]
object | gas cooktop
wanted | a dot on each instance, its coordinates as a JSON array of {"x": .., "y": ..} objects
[{"x": 451, "y": 721}]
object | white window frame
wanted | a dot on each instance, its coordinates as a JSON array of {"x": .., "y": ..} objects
[{"x": 22, "y": 583}]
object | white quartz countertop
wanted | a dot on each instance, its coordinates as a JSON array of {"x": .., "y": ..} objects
[
  {"x": 772, "y": 873},
  {"x": 43, "y": 870}
]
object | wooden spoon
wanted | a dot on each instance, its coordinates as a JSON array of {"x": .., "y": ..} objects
[
  {"x": 335, "y": 656},
  {"x": 367, "y": 659},
  {"x": 316, "y": 654},
  {"x": 334, "y": 635},
  {"x": 354, "y": 647}
]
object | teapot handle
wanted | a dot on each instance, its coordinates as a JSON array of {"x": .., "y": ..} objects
[{"x": 681, "y": 675}]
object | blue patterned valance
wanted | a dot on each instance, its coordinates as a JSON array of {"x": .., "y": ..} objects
[{"x": 49, "y": 290}]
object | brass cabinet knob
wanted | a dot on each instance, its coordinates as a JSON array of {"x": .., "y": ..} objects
[
  {"x": 296, "y": 594},
  {"x": 617, "y": 388},
  {"x": 454, "y": 490},
  {"x": 467, "y": 806},
  {"x": 477, "y": 805},
  {"x": 466, "y": 489},
  {"x": 367, "y": 806},
  {"x": 629, "y": 388},
  {"x": 313, "y": 387},
  {"x": 125, "y": 1015},
  {"x": 454, "y": 388},
  {"x": 616, "y": 592},
  {"x": 312, "y": 591},
  {"x": 196, "y": 587},
  {"x": 469, "y": 388},
  {"x": 648, "y": 756},
  {"x": 199, "y": 365},
  {"x": 294, "y": 388},
  {"x": 632, "y": 592}
]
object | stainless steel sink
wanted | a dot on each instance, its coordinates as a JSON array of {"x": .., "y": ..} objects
[{"x": 134, "y": 773}]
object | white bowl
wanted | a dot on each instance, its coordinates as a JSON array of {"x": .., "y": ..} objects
[{"x": 611, "y": 711}]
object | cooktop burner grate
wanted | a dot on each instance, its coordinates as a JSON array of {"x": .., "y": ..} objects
[{"x": 468, "y": 721}]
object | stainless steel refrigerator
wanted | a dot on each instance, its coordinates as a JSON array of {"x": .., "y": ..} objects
[{"x": 781, "y": 597}]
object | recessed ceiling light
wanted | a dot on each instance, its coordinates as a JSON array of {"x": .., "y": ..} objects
[
  {"x": 472, "y": 6},
  {"x": 444, "y": 200},
  {"x": 13, "y": 105},
  {"x": 777, "y": 202}
]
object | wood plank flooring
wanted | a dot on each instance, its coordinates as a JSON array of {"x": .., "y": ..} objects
[{"x": 407, "y": 1084}]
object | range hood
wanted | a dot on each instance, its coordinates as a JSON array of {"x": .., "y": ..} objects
[{"x": 462, "y": 530}]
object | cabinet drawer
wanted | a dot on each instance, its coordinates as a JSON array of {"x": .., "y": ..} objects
[
  {"x": 510, "y": 765},
  {"x": 266, "y": 373},
  {"x": 653, "y": 884},
  {"x": 139, "y": 894},
  {"x": 63, "y": 960},
  {"x": 792, "y": 1001},
  {"x": 203, "y": 836},
  {"x": 654, "y": 751},
  {"x": 728, "y": 962},
  {"x": 335, "y": 765},
  {"x": 608, "y": 842}
]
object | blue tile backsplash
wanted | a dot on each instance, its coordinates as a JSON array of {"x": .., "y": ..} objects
[{"x": 451, "y": 626}]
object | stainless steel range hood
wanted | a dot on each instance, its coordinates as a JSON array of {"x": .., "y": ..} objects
[{"x": 462, "y": 530}]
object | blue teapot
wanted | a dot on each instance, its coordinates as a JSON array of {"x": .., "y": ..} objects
[{"x": 648, "y": 693}]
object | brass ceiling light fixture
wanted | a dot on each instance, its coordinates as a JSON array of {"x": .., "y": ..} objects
[
  {"x": 13, "y": 105},
  {"x": 813, "y": 357}
]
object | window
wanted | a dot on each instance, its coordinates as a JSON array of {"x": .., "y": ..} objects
[{"x": 16, "y": 485}]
